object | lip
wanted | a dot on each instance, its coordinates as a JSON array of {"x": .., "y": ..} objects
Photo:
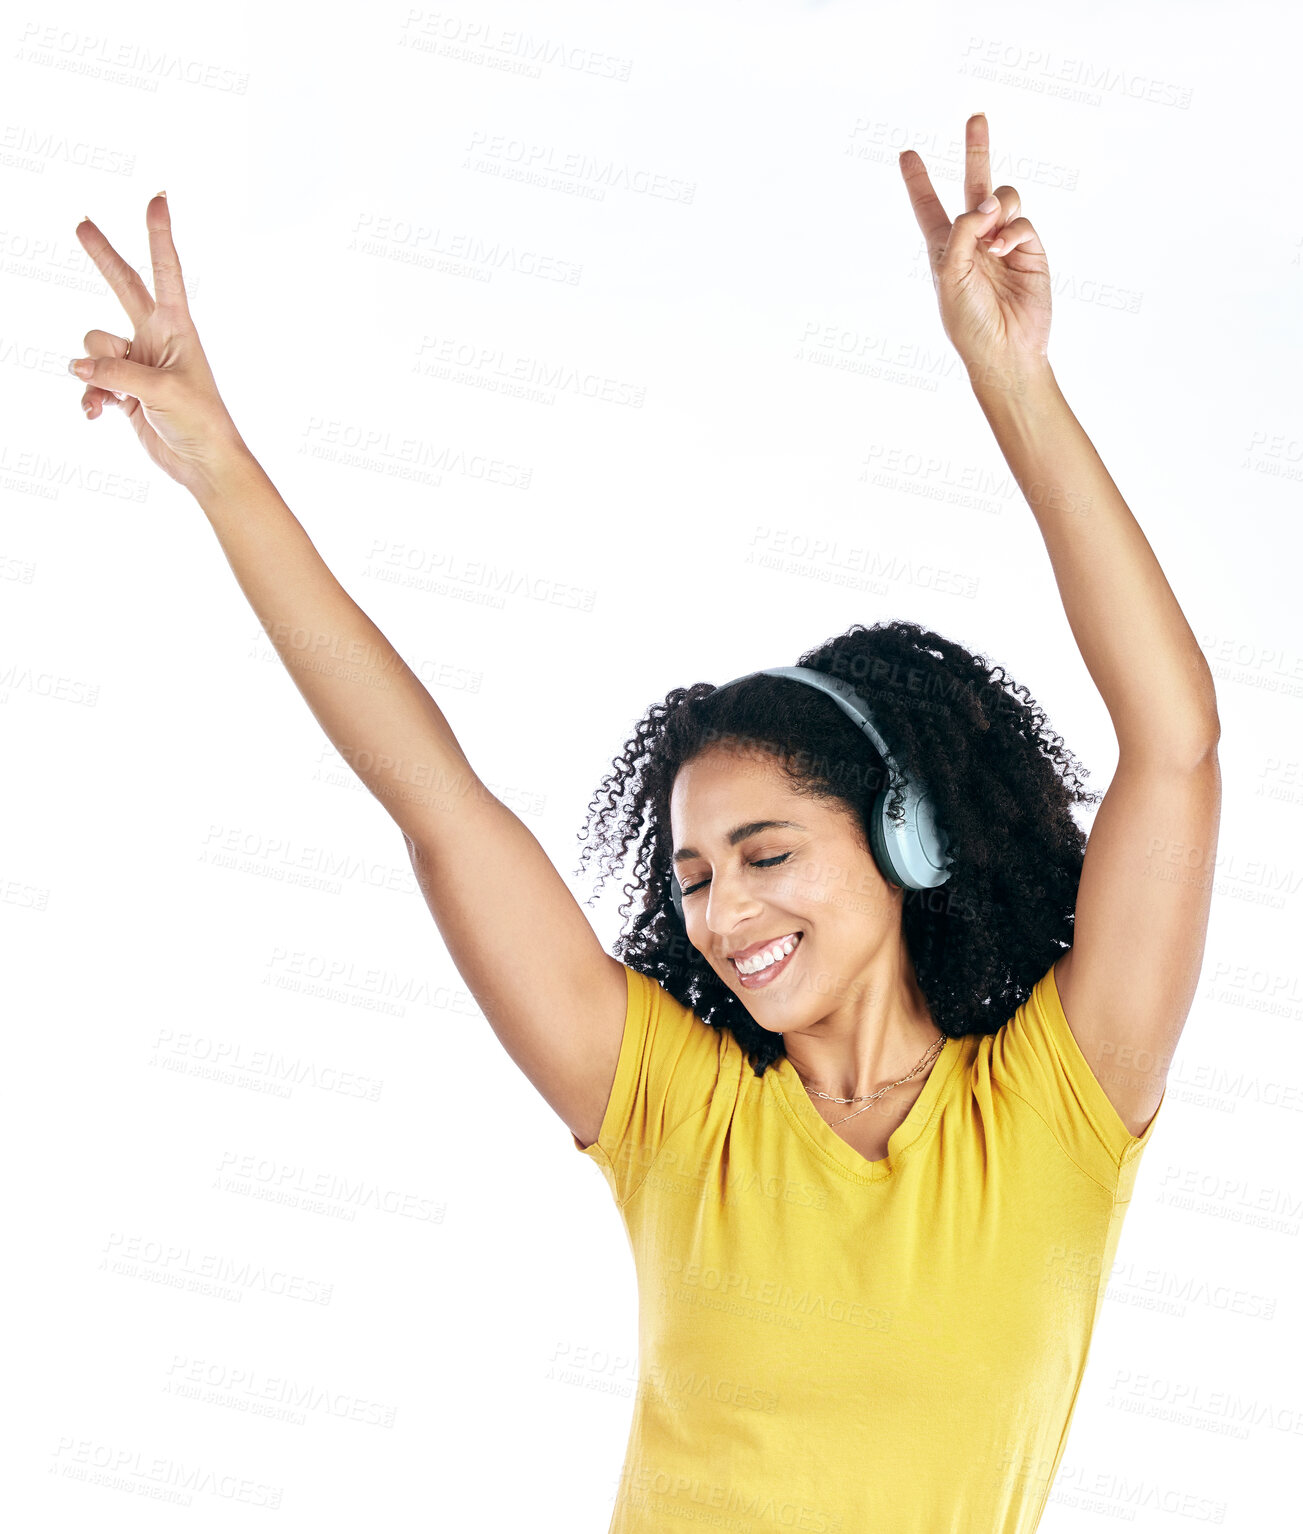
[
  {"x": 766, "y": 976},
  {"x": 755, "y": 948}
]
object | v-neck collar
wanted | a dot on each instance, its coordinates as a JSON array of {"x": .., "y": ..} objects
[{"x": 792, "y": 1097}]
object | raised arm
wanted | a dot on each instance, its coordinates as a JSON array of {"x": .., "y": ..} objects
[
  {"x": 518, "y": 937},
  {"x": 1146, "y": 885}
]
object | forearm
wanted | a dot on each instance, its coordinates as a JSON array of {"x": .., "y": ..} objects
[
  {"x": 376, "y": 712},
  {"x": 1141, "y": 653}
]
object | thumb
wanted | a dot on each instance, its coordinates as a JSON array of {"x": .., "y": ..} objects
[
  {"x": 967, "y": 229},
  {"x": 117, "y": 375}
]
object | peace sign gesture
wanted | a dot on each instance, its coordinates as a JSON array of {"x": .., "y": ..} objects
[
  {"x": 160, "y": 377},
  {"x": 988, "y": 267}
]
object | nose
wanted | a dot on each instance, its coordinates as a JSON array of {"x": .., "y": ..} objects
[{"x": 728, "y": 905}]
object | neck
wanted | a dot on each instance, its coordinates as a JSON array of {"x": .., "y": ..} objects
[{"x": 879, "y": 1034}]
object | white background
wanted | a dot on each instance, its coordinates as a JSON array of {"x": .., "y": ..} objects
[{"x": 199, "y": 895}]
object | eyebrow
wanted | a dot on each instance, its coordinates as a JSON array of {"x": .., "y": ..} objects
[{"x": 740, "y": 834}]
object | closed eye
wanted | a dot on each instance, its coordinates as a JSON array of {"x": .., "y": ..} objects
[{"x": 759, "y": 863}]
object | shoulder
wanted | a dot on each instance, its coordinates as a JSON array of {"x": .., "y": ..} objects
[
  {"x": 1037, "y": 1057},
  {"x": 1132, "y": 1085}
]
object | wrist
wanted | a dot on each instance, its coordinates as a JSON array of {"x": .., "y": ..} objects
[
  {"x": 228, "y": 472},
  {"x": 1012, "y": 378},
  {"x": 1017, "y": 386}
]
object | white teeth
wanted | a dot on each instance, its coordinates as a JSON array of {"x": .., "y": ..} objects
[{"x": 766, "y": 957}]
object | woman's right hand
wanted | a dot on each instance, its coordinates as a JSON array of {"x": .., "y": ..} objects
[{"x": 165, "y": 388}]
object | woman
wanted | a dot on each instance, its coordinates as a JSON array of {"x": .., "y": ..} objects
[{"x": 874, "y": 1178}]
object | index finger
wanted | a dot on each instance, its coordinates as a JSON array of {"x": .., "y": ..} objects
[
  {"x": 928, "y": 211},
  {"x": 169, "y": 288},
  {"x": 977, "y": 161},
  {"x": 120, "y": 275}
]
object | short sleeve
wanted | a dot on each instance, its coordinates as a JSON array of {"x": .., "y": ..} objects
[
  {"x": 667, "y": 1072},
  {"x": 1035, "y": 1056}
]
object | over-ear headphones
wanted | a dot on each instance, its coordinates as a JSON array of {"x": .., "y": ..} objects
[{"x": 912, "y": 852}]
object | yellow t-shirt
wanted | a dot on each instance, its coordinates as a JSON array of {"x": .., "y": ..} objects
[{"x": 838, "y": 1346}]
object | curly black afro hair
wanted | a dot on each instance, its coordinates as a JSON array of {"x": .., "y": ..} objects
[{"x": 1003, "y": 785}]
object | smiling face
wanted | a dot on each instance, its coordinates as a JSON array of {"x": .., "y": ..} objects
[{"x": 758, "y": 864}]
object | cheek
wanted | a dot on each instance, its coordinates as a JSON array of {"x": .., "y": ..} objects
[{"x": 851, "y": 898}]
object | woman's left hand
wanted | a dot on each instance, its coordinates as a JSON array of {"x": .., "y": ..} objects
[{"x": 989, "y": 269}]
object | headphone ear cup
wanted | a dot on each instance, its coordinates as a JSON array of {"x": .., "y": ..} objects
[
  {"x": 879, "y": 844},
  {"x": 914, "y": 852}
]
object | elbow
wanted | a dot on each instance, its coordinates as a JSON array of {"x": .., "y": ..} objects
[
  {"x": 1210, "y": 730},
  {"x": 1200, "y": 741},
  {"x": 1179, "y": 739},
  {"x": 1203, "y": 724},
  {"x": 1201, "y": 755},
  {"x": 1214, "y": 731}
]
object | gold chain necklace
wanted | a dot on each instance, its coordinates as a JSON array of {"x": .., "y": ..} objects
[{"x": 933, "y": 1049}]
